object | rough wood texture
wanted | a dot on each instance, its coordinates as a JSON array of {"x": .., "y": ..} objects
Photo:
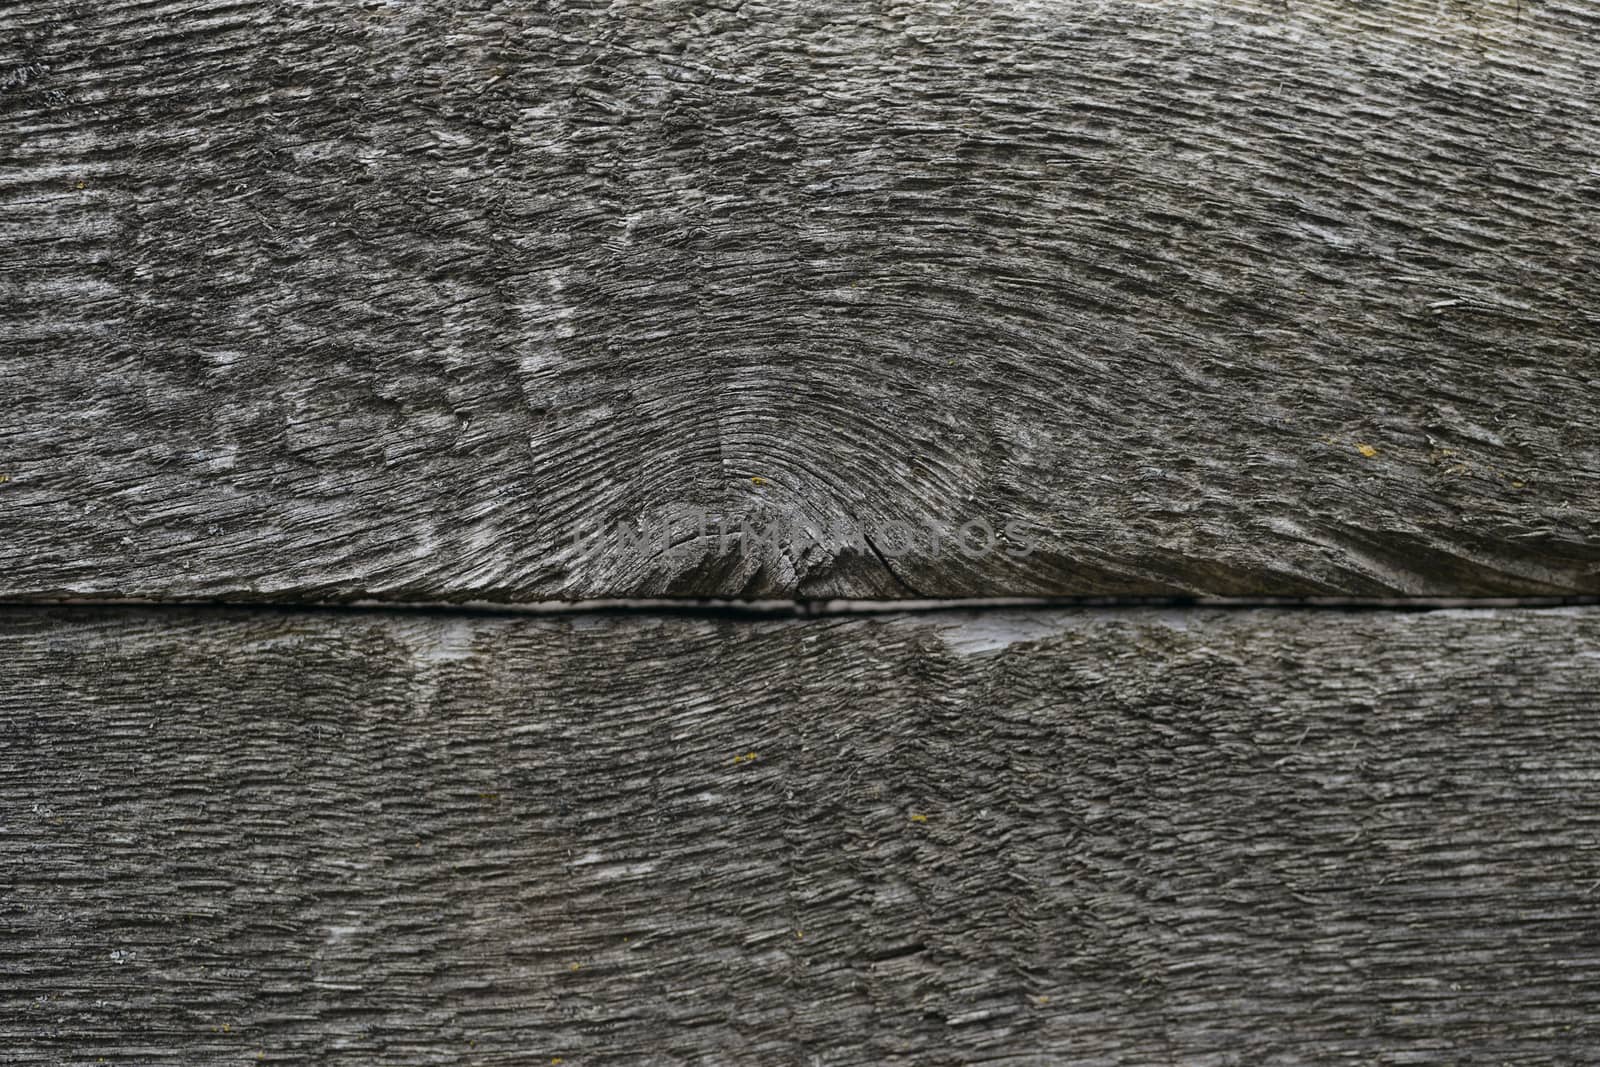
[
  {"x": 326, "y": 299},
  {"x": 1111, "y": 838}
]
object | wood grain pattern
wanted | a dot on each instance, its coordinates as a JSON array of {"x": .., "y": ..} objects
[
  {"x": 1126, "y": 837},
  {"x": 323, "y": 299}
]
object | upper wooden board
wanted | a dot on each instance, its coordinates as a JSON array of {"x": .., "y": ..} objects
[{"x": 329, "y": 299}]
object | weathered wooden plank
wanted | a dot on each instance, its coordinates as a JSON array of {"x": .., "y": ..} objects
[
  {"x": 1059, "y": 837},
  {"x": 328, "y": 299}
]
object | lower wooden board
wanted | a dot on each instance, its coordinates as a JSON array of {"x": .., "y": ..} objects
[{"x": 1109, "y": 837}]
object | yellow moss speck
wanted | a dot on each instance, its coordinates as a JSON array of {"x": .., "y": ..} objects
[
  {"x": 1367, "y": 450},
  {"x": 758, "y": 480},
  {"x": 919, "y": 818}
]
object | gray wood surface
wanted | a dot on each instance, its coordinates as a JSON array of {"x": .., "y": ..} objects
[
  {"x": 1127, "y": 837},
  {"x": 328, "y": 299}
]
